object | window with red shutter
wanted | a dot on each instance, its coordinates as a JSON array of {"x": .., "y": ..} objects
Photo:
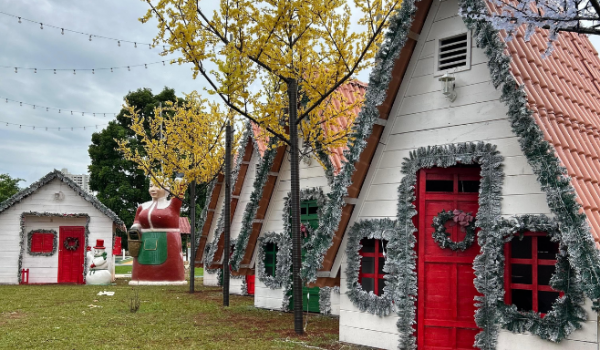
[
  {"x": 42, "y": 242},
  {"x": 530, "y": 263},
  {"x": 372, "y": 261}
]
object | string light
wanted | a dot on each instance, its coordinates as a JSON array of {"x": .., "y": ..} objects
[
  {"x": 92, "y": 70},
  {"x": 48, "y": 108},
  {"x": 73, "y": 128},
  {"x": 62, "y": 31}
]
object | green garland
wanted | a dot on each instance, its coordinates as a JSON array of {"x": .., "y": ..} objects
[
  {"x": 283, "y": 261},
  {"x": 52, "y": 215},
  {"x": 71, "y": 247},
  {"x": 54, "y": 242},
  {"x": 442, "y": 238},
  {"x": 488, "y": 265},
  {"x": 567, "y": 314},
  {"x": 369, "y": 302}
]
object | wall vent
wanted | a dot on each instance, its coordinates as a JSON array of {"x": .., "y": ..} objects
[{"x": 453, "y": 54}]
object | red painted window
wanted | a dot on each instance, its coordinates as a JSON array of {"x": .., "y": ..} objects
[
  {"x": 42, "y": 243},
  {"x": 371, "y": 265},
  {"x": 530, "y": 263}
]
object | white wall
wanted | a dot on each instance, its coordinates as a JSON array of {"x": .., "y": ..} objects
[
  {"x": 210, "y": 279},
  {"x": 421, "y": 117},
  {"x": 44, "y": 269},
  {"x": 267, "y": 298}
]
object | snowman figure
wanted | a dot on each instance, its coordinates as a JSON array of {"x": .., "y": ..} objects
[{"x": 98, "y": 272}]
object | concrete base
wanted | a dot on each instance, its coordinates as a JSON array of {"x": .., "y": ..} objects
[{"x": 158, "y": 283}]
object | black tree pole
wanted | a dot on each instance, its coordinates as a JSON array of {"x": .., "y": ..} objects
[
  {"x": 295, "y": 189},
  {"x": 227, "y": 215},
  {"x": 192, "y": 259}
]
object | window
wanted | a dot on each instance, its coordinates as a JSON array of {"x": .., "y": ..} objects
[
  {"x": 42, "y": 242},
  {"x": 372, "y": 261},
  {"x": 530, "y": 263},
  {"x": 270, "y": 259},
  {"x": 309, "y": 212},
  {"x": 461, "y": 182},
  {"x": 453, "y": 53}
]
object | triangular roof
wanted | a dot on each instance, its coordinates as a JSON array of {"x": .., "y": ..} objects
[{"x": 56, "y": 174}]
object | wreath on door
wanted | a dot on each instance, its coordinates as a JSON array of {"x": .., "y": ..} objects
[
  {"x": 71, "y": 243},
  {"x": 466, "y": 221}
]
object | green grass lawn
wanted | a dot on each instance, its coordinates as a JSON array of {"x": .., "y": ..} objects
[
  {"x": 74, "y": 317},
  {"x": 127, "y": 269}
]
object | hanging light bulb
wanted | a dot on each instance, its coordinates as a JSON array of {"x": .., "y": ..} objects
[
  {"x": 71, "y": 128},
  {"x": 35, "y": 70},
  {"x": 163, "y": 63},
  {"x": 16, "y": 70},
  {"x": 59, "y": 128},
  {"x": 93, "y": 71},
  {"x": 119, "y": 43},
  {"x": 19, "y": 19},
  {"x": 41, "y": 25},
  {"x": 111, "y": 69},
  {"x": 21, "y": 104},
  {"x": 90, "y": 37},
  {"x": 33, "y": 106},
  {"x": 145, "y": 66},
  {"x": 6, "y": 100},
  {"x": 150, "y": 46},
  {"x": 59, "y": 111},
  {"x": 94, "y": 114},
  {"x": 34, "y": 128},
  {"x": 84, "y": 128},
  {"x": 129, "y": 69},
  {"x": 135, "y": 45},
  {"x": 104, "y": 115},
  {"x": 19, "y": 126},
  {"x": 46, "y": 109},
  {"x": 62, "y": 31},
  {"x": 74, "y": 73},
  {"x": 55, "y": 71},
  {"x": 82, "y": 114},
  {"x": 46, "y": 128},
  {"x": 71, "y": 112}
]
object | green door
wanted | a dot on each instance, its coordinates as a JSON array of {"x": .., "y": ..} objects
[{"x": 310, "y": 296}]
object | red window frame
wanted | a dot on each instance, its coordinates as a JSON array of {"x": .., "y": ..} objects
[
  {"x": 376, "y": 276},
  {"x": 534, "y": 262},
  {"x": 42, "y": 242}
]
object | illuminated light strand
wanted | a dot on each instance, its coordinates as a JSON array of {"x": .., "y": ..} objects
[
  {"x": 60, "y": 110},
  {"x": 89, "y": 35},
  {"x": 92, "y": 70},
  {"x": 46, "y": 128}
]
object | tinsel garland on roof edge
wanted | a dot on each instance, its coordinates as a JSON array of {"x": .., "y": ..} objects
[
  {"x": 379, "y": 79},
  {"x": 208, "y": 259},
  {"x": 19, "y": 196},
  {"x": 262, "y": 174}
]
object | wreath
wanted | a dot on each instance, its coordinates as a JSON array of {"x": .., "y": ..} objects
[
  {"x": 466, "y": 221},
  {"x": 71, "y": 243}
]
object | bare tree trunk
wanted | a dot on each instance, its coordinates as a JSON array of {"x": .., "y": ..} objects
[
  {"x": 227, "y": 232},
  {"x": 192, "y": 233},
  {"x": 295, "y": 198}
]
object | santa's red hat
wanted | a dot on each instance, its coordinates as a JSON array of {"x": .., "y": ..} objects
[{"x": 99, "y": 244}]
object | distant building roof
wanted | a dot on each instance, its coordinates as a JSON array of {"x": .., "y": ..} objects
[{"x": 184, "y": 226}]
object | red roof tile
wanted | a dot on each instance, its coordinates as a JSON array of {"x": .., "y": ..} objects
[
  {"x": 184, "y": 226},
  {"x": 351, "y": 91},
  {"x": 563, "y": 91}
]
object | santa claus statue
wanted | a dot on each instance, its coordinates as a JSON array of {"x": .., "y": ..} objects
[{"x": 159, "y": 259}]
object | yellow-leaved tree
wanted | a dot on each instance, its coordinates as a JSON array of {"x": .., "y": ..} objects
[
  {"x": 299, "y": 52},
  {"x": 184, "y": 144}
]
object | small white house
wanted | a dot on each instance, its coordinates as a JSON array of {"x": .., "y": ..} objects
[{"x": 45, "y": 229}]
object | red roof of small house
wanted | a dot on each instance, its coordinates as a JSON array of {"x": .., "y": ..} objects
[
  {"x": 350, "y": 90},
  {"x": 184, "y": 226},
  {"x": 563, "y": 91}
]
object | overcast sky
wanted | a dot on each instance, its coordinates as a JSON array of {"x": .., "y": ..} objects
[{"x": 30, "y": 154}]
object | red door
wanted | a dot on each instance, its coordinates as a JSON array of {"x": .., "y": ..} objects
[
  {"x": 250, "y": 284},
  {"x": 445, "y": 278},
  {"x": 70, "y": 262}
]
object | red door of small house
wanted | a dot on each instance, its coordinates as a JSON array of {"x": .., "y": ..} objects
[
  {"x": 445, "y": 308},
  {"x": 71, "y": 260},
  {"x": 250, "y": 284}
]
